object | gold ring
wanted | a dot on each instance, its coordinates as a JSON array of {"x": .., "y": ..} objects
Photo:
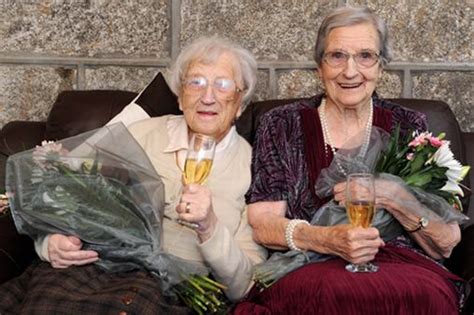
[{"x": 188, "y": 207}]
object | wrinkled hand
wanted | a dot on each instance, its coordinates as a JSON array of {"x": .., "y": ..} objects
[
  {"x": 354, "y": 244},
  {"x": 388, "y": 194},
  {"x": 65, "y": 251},
  {"x": 393, "y": 196},
  {"x": 198, "y": 201}
]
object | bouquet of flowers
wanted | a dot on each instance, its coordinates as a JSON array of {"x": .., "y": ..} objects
[
  {"x": 86, "y": 186},
  {"x": 101, "y": 187},
  {"x": 426, "y": 162},
  {"x": 419, "y": 164}
]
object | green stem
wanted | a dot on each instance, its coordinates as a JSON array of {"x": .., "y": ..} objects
[{"x": 70, "y": 174}]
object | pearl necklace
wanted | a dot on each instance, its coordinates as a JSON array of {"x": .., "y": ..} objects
[{"x": 327, "y": 137}]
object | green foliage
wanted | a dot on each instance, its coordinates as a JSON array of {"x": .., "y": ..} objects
[{"x": 102, "y": 201}]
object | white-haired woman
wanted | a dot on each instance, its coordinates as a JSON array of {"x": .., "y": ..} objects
[
  {"x": 295, "y": 143},
  {"x": 214, "y": 79}
]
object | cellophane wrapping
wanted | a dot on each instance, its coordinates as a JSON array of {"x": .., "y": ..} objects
[{"x": 101, "y": 187}]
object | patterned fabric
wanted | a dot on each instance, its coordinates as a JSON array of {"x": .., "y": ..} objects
[
  {"x": 279, "y": 168},
  {"x": 406, "y": 283},
  {"x": 84, "y": 290}
]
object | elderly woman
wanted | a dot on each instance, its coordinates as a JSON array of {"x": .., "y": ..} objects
[
  {"x": 214, "y": 80},
  {"x": 295, "y": 143}
]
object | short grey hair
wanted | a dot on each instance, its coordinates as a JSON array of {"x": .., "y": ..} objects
[
  {"x": 207, "y": 50},
  {"x": 349, "y": 16}
]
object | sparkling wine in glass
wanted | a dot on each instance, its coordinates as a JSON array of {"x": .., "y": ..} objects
[
  {"x": 199, "y": 159},
  {"x": 198, "y": 164},
  {"x": 360, "y": 206}
]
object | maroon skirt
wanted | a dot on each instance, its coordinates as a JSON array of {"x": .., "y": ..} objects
[{"x": 406, "y": 283}]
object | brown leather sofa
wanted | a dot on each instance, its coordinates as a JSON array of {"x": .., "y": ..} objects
[{"x": 78, "y": 111}]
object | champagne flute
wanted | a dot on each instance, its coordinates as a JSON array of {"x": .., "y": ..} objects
[
  {"x": 199, "y": 159},
  {"x": 360, "y": 206},
  {"x": 197, "y": 166}
]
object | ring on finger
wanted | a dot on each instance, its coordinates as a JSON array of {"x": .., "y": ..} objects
[{"x": 187, "y": 209}]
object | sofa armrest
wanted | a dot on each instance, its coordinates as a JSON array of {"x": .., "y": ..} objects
[
  {"x": 468, "y": 141},
  {"x": 17, "y": 136},
  {"x": 461, "y": 262},
  {"x": 463, "y": 256}
]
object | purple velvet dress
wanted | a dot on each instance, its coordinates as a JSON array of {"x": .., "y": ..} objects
[{"x": 288, "y": 157}]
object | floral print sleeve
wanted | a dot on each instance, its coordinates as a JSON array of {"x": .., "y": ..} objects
[
  {"x": 407, "y": 118},
  {"x": 279, "y": 169}
]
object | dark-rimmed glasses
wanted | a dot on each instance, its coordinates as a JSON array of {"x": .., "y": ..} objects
[
  {"x": 223, "y": 88},
  {"x": 363, "y": 59}
]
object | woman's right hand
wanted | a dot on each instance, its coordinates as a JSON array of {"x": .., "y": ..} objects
[
  {"x": 65, "y": 251},
  {"x": 354, "y": 244}
]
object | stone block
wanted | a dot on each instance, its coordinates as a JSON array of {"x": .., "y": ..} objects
[
  {"x": 28, "y": 92},
  {"x": 132, "y": 79},
  {"x": 455, "y": 88},
  {"x": 85, "y": 27},
  {"x": 390, "y": 85},
  {"x": 271, "y": 29},
  {"x": 298, "y": 83},
  {"x": 262, "y": 90},
  {"x": 304, "y": 83},
  {"x": 426, "y": 30}
]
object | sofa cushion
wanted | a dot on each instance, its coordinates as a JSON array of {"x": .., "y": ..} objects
[
  {"x": 75, "y": 112},
  {"x": 249, "y": 120},
  {"x": 68, "y": 117},
  {"x": 157, "y": 99}
]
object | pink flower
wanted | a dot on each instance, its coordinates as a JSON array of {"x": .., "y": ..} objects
[
  {"x": 420, "y": 139},
  {"x": 410, "y": 156},
  {"x": 435, "y": 141}
]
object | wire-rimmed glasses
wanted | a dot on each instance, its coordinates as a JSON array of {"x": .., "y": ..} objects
[
  {"x": 363, "y": 59},
  {"x": 223, "y": 88}
]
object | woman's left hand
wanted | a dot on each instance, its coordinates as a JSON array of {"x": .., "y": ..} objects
[
  {"x": 388, "y": 194},
  {"x": 196, "y": 207},
  {"x": 339, "y": 191}
]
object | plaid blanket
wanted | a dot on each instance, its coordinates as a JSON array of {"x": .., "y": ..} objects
[{"x": 42, "y": 289}]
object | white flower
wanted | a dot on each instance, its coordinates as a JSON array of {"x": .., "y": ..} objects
[{"x": 444, "y": 157}]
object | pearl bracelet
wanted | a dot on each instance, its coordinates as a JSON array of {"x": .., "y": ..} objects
[{"x": 290, "y": 229}]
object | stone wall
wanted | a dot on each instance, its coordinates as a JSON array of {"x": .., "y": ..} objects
[{"x": 54, "y": 45}]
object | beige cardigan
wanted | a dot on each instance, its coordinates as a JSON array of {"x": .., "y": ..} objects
[{"x": 231, "y": 251}]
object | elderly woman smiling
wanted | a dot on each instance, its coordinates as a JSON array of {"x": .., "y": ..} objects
[
  {"x": 214, "y": 79},
  {"x": 295, "y": 143}
]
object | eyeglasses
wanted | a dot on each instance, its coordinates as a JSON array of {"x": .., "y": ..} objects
[
  {"x": 363, "y": 59},
  {"x": 223, "y": 88}
]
